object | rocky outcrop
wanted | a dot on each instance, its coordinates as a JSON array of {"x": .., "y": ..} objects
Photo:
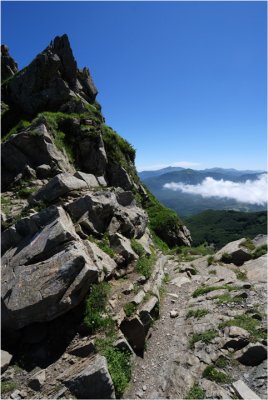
[
  {"x": 8, "y": 66},
  {"x": 33, "y": 148},
  {"x": 234, "y": 252},
  {"x": 92, "y": 382},
  {"x": 51, "y": 80}
]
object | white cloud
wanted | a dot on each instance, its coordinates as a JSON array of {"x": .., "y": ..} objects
[
  {"x": 253, "y": 192},
  {"x": 182, "y": 164}
]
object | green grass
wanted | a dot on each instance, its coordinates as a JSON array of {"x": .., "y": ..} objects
[
  {"x": 206, "y": 289},
  {"x": 195, "y": 392},
  {"x": 210, "y": 260},
  {"x": 226, "y": 258},
  {"x": 248, "y": 244},
  {"x": 137, "y": 247},
  {"x": 7, "y": 386},
  {"x": 166, "y": 278},
  {"x": 22, "y": 125},
  {"x": 25, "y": 192},
  {"x": 145, "y": 265},
  {"x": 118, "y": 148},
  {"x": 222, "y": 362},
  {"x": 205, "y": 337},
  {"x": 248, "y": 323},
  {"x": 211, "y": 373},
  {"x": 260, "y": 251},
  {"x": 130, "y": 309},
  {"x": 119, "y": 363},
  {"x": 105, "y": 246},
  {"x": 199, "y": 313},
  {"x": 227, "y": 298},
  {"x": 95, "y": 317},
  {"x": 242, "y": 276}
]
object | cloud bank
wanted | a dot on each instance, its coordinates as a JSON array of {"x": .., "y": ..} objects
[{"x": 252, "y": 192}]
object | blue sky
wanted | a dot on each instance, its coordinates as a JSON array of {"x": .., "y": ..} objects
[{"x": 184, "y": 82}]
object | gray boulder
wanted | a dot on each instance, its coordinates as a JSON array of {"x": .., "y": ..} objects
[
  {"x": 59, "y": 186},
  {"x": 46, "y": 269},
  {"x": 123, "y": 247},
  {"x": 233, "y": 252},
  {"x": 118, "y": 176},
  {"x": 37, "y": 380},
  {"x": 45, "y": 290},
  {"x": 256, "y": 270},
  {"x": 105, "y": 264},
  {"x": 90, "y": 179},
  {"x": 92, "y": 382},
  {"x": 92, "y": 155},
  {"x": 5, "y": 360},
  {"x": 133, "y": 330}
]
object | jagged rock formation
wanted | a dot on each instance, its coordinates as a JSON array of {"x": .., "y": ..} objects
[
  {"x": 74, "y": 214},
  {"x": 8, "y": 66}
]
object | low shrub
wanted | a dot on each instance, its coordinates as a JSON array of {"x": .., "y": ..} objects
[
  {"x": 195, "y": 392},
  {"x": 130, "y": 309},
  {"x": 145, "y": 265},
  {"x": 95, "y": 317},
  {"x": 205, "y": 337},
  {"x": 211, "y": 373},
  {"x": 137, "y": 247}
]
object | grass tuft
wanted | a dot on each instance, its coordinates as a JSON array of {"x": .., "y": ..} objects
[
  {"x": 205, "y": 337},
  {"x": 201, "y": 312},
  {"x": 195, "y": 392},
  {"x": 211, "y": 373}
]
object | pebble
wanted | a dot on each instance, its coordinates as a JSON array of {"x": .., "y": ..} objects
[
  {"x": 144, "y": 388},
  {"x": 173, "y": 314}
]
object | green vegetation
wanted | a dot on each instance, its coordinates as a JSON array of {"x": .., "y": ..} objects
[
  {"x": 222, "y": 362},
  {"x": 211, "y": 373},
  {"x": 7, "y": 386},
  {"x": 95, "y": 317},
  {"x": 25, "y": 192},
  {"x": 241, "y": 275},
  {"x": 212, "y": 272},
  {"x": 166, "y": 278},
  {"x": 119, "y": 364},
  {"x": 248, "y": 323},
  {"x": 206, "y": 289},
  {"x": 195, "y": 392},
  {"x": 130, "y": 309},
  {"x": 118, "y": 148},
  {"x": 205, "y": 337},
  {"x": 210, "y": 260},
  {"x": 227, "y": 298},
  {"x": 260, "y": 251},
  {"x": 21, "y": 125},
  {"x": 199, "y": 313},
  {"x": 104, "y": 245},
  {"x": 145, "y": 265},
  {"x": 162, "y": 220},
  {"x": 137, "y": 247},
  {"x": 63, "y": 145},
  {"x": 248, "y": 244},
  {"x": 221, "y": 227}
]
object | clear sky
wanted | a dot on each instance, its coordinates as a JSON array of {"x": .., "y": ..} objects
[{"x": 184, "y": 82}]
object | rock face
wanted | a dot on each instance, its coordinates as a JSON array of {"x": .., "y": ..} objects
[
  {"x": 8, "y": 66},
  {"x": 93, "y": 382},
  {"x": 74, "y": 215},
  {"x": 50, "y": 81},
  {"x": 234, "y": 252}
]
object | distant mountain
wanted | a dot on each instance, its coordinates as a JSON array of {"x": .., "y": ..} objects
[
  {"x": 149, "y": 174},
  {"x": 220, "y": 227},
  {"x": 186, "y": 204}
]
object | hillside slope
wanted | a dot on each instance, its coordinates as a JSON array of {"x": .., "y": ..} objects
[{"x": 221, "y": 227}]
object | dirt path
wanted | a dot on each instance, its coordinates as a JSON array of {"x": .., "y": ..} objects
[{"x": 169, "y": 367}]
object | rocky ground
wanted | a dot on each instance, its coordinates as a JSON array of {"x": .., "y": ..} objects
[{"x": 171, "y": 367}]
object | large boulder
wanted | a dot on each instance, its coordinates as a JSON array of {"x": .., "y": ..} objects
[
  {"x": 234, "y": 252},
  {"x": 257, "y": 269},
  {"x": 93, "y": 381},
  {"x": 46, "y": 269},
  {"x": 59, "y": 186},
  {"x": 51, "y": 80}
]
